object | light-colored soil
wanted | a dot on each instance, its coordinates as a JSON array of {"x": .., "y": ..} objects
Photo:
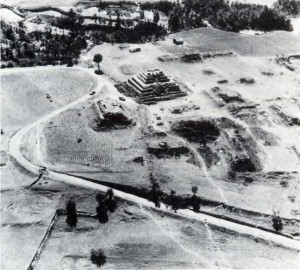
[
  {"x": 137, "y": 238},
  {"x": 25, "y": 216},
  {"x": 20, "y": 87}
]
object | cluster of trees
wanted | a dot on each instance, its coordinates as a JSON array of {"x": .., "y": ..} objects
[
  {"x": 105, "y": 205},
  {"x": 142, "y": 32},
  {"x": 163, "y": 6},
  {"x": 229, "y": 17},
  {"x": 39, "y": 47},
  {"x": 108, "y": 203},
  {"x": 156, "y": 196},
  {"x": 288, "y": 7},
  {"x": 184, "y": 18},
  {"x": 23, "y": 48}
]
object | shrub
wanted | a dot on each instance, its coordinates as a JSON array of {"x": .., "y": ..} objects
[
  {"x": 10, "y": 65},
  {"x": 195, "y": 204},
  {"x": 70, "y": 63},
  {"x": 110, "y": 201},
  {"x": 277, "y": 223},
  {"x": 173, "y": 200},
  {"x": 99, "y": 72},
  {"x": 98, "y": 257}
]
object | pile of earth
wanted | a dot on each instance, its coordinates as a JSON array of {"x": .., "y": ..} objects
[
  {"x": 222, "y": 142},
  {"x": 112, "y": 120},
  {"x": 201, "y": 131},
  {"x": 163, "y": 150},
  {"x": 228, "y": 96}
]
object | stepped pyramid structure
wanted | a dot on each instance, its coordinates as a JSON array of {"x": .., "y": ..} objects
[{"x": 151, "y": 86}]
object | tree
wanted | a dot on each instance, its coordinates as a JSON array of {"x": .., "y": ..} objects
[
  {"x": 110, "y": 201},
  {"x": 99, "y": 197},
  {"x": 98, "y": 59},
  {"x": 173, "y": 200},
  {"x": 71, "y": 214},
  {"x": 195, "y": 200},
  {"x": 155, "y": 194},
  {"x": 118, "y": 22},
  {"x": 174, "y": 22},
  {"x": 277, "y": 223},
  {"x": 98, "y": 257},
  {"x": 194, "y": 190},
  {"x": 102, "y": 212},
  {"x": 156, "y": 17}
]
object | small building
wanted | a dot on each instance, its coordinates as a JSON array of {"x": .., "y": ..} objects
[
  {"x": 178, "y": 41},
  {"x": 134, "y": 50}
]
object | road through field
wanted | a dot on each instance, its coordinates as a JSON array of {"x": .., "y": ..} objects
[{"x": 15, "y": 151}]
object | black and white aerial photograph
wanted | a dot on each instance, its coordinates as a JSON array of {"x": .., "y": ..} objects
[{"x": 150, "y": 134}]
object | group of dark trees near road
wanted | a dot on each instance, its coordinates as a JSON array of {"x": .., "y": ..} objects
[
  {"x": 105, "y": 203},
  {"x": 175, "y": 202},
  {"x": 108, "y": 203},
  {"x": 156, "y": 196}
]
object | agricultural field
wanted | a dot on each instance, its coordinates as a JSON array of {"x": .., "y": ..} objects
[
  {"x": 170, "y": 241},
  {"x": 69, "y": 143}
]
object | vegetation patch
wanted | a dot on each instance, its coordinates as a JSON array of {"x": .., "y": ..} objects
[{"x": 246, "y": 80}]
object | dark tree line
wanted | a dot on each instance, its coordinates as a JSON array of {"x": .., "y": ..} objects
[
  {"x": 40, "y": 47},
  {"x": 163, "y": 6},
  {"x": 288, "y": 7},
  {"x": 229, "y": 17}
]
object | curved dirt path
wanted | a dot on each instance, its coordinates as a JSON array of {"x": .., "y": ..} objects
[{"x": 15, "y": 146}]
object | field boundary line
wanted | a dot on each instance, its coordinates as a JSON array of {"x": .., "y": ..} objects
[{"x": 58, "y": 212}]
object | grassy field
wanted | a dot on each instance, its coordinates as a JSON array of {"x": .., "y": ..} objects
[
  {"x": 210, "y": 39},
  {"x": 25, "y": 216},
  {"x": 136, "y": 238},
  {"x": 49, "y": 88}
]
